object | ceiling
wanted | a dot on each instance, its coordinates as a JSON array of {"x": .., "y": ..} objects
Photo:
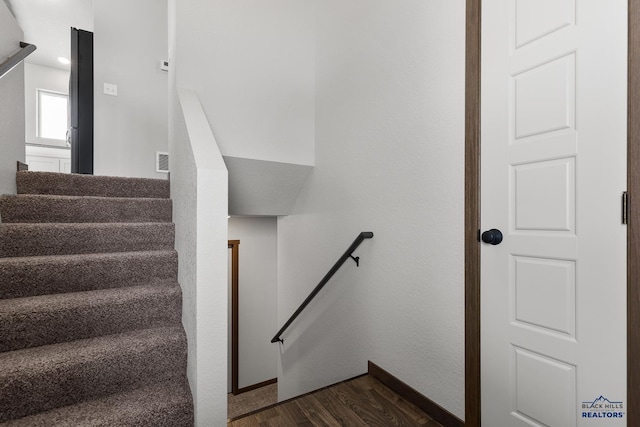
[{"x": 46, "y": 24}]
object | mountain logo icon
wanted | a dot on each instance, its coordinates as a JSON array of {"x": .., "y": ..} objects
[{"x": 598, "y": 402}]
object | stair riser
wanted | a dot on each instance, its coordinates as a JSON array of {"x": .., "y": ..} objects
[
  {"x": 166, "y": 404},
  {"x": 21, "y": 240},
  {"x": 65, "y": 184},
  {"x": 32, "y": 322},
  {"x": 24, "y": 277},
  {"x": 28, "y": 388},
  {"x": 35, "y": 209}
]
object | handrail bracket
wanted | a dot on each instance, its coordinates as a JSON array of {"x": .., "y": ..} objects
[
  {"x": 16, "y": 58},
  {"x": 356, "y": 259}
]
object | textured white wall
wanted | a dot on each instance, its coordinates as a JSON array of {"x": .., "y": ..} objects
[
  {"x": 252, "y": 64},
  {"x": 263, "y": 188},
  {"x": 40, "y": 77},
  {"x": 130, "y": 40},
  {"x": 199, "y": 193},
  {"x": 11, "y": 104},
  {"x": 389, "y": 159},
  {"x": 184, "y": 195},
  {"x": 257, "y": 356}
]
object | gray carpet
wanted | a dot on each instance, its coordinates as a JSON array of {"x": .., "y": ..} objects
[
  {"x": 48, "y": 208},
  {"x": 23, "y": 240},
  {"x": 63, "y": 184},
  {"x": 90, "y": 307}
]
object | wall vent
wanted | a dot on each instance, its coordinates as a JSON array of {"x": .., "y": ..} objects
[{"x": 162, "y": 162}]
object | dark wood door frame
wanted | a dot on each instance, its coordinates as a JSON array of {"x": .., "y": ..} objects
[
  {"x": 472, "y": 216},
  {"x": 234, "y": 245},
  {"x": 633, "y": 228}
]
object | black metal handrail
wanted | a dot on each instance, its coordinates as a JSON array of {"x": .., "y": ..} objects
[
  {"x": 325, "y": 279},
  {"x": 13, "y": 60}
]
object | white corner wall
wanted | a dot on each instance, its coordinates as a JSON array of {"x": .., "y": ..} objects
[
  {"x": 252, "y": 64},
  {"x": 263, "y": 188},
  {"x": 11, "y": 104},
  {"x": 199, "y": 193},
  {"x": 41, "y": 77},
  {"x": 389, "y": 129},
  {"x": 130, "y": 40},
  {"x": 257, "y": 356}
]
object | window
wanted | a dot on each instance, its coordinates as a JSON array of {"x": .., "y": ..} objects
[{"x": 52, "y": 115}]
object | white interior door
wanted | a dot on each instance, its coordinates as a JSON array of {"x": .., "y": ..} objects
[{"x": 553, "y": 292}]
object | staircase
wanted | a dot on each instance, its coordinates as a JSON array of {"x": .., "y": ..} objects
[{"x": 90, "y": 307}]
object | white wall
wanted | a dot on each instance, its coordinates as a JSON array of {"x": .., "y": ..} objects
[
  {"x": 199, "y": 192},
  {"x": 252, "y": 64},
  {"x": 389, "y": 159},
  {"x": 387, "y": 117},
  {"x": 257, "y": 356},
  {"x": 11, "y": 104},
  {"x": 40, "y": 77},
  {"x": 130, "y": 40},
  {"x": 263, "y": 188}
]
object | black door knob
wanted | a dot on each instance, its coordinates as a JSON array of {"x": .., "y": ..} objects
[{"x": 492, "y": 237}]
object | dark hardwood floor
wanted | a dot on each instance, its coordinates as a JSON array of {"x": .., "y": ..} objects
[{"x": 362, "y": 401}]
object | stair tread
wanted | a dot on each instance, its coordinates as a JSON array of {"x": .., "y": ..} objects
[
  {"x": 90, "y": 185},
  {"x": 83, "y": 225},
  {"x": 51, "y": 274},
  {"x": 84, "y": 299},
  {"x": 37, "y": 208},
  {"x": 42, "y": 378},
  {"x": 51, "y": 357},
  {"x": 47, "y": 319},
  {"x": 78, "y": 197},
  {"x": 75, "y": 238},
  {"x": 84, "y": 257},
  {"x": 166, "y": 404}
]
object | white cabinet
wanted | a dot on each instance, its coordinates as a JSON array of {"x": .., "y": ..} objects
[
  {"x": 43, "y": 164},
  {"x": 48, "y": 159},
  {"x": 65, "y": 165}
]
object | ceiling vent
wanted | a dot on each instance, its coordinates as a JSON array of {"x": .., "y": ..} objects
[{"x": 162, "y": 162}]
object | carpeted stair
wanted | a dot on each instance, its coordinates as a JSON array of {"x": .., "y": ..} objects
[{"x": 90, "y": 307}]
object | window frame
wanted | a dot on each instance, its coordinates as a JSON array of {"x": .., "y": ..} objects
[{"x": 40, "y": 139}]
